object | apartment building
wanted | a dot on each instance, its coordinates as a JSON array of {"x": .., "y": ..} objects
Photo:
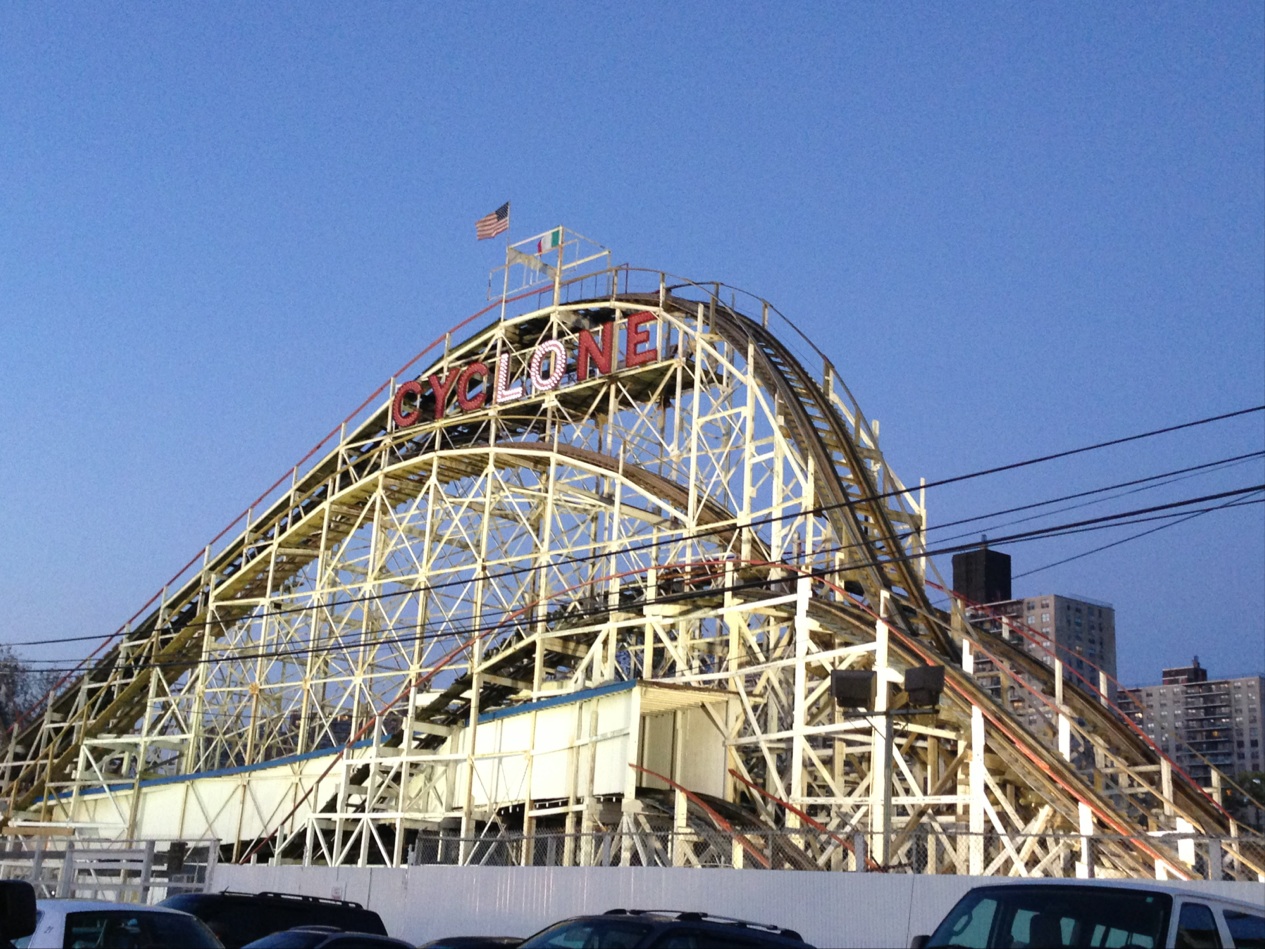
[
  {"x": 1202, "y": 723},
  {"x": 1081, "y": 632}
]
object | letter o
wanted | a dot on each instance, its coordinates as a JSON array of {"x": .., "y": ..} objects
[{"x": 557, "y": 365}]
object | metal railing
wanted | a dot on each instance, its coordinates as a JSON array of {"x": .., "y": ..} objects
[{"x": 126, "y": 871}]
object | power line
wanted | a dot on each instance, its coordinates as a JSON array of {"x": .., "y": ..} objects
[
  {"x": 686, "y": 538},
  {"x": 1131, "y": 537},
  {"x": 1139, "y": 484},
  {"x": 820, "y": 509},
  {"x": 373, "y": 639}
]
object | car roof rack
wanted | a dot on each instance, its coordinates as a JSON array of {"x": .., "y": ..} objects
[
  {"x": 295, "y": 897},
  {"x": 695, "y": 916}
]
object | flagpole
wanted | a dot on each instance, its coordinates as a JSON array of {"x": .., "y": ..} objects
[
  {"x": 505, "y": 286},
  {"x": 557, "y": 274}
]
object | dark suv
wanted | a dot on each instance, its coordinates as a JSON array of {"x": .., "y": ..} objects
[
  {"x": 239, "y": 918},
  {"x": 661, "y": 929}
]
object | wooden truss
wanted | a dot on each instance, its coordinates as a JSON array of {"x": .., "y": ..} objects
[{"x": 712, "y": 511}]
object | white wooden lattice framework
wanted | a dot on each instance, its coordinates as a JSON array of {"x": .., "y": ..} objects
[{"x": 680, "y": 493}]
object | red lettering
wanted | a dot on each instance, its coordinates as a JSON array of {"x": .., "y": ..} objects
[
  {"x": 638, "y": 335},
  {"x": 441, "y": 389},
  {"x": 467, "y": 401},
  {"x": 401, "y": 418},
  {"x": 588, "y": 349}
]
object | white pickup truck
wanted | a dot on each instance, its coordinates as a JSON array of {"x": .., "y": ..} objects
[{"x": 1059, "y": 914}]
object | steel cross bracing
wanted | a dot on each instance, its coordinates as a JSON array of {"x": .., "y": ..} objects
[{"x": 718, "y": 515}]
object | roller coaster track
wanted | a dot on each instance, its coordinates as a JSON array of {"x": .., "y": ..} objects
[{"x": 1069, "y": 749}]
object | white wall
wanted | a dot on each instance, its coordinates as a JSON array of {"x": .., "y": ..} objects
[{"x": 828, "y": 909}]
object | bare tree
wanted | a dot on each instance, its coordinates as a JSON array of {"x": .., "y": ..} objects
[{"x": 21, "y": 687}]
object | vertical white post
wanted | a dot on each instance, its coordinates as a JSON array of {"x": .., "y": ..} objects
[
  {"x": 680, "y": 826},
  {"x": 803, "y": 590},
  {"x": 1166, "y": 785},
  {"x": 1085, "y": 865},
  {"x": 1186, "y": 842},
  {"x": 975, "y": 862},
  {"x": 881, "y": 743}
]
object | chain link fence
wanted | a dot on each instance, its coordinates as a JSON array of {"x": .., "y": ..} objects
[{"x": 924, "y": 849}]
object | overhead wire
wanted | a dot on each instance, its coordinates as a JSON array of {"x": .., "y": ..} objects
[
  {"x": 1123, "y": 518},
  {"x": 1136, "y": 484},
  {"x": 1052, "y": 531},
  {"x": 450, "y": 631},
  {"x": 824, "y": 509}
]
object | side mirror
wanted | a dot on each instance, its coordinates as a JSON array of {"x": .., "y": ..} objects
[
  {"x": 17, "y": 909},
  {"x": 919, "y": 942}
]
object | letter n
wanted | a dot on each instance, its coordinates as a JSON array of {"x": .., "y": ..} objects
[{"x": 603, "y": 358}]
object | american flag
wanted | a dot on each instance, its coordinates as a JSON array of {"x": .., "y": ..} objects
[{"x": 498, "y": 222}]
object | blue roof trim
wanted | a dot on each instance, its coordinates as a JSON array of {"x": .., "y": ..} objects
[
  {"x": 217, "y": 773},
  {"x": 566, "y": 699}
]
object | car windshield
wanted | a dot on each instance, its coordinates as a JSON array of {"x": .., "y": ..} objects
[
  {"x": 1058, "y": 917},
  {"x": 136, "y": 928},
  {"x": 589, "y": 934}
]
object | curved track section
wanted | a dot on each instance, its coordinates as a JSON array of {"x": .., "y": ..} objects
[{"x": 590, "y": 532}]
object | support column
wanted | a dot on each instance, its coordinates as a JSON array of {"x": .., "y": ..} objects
[
  {"x": 975, "y": 772},
  {"x": 680, "y": 827},
  {"x": 799, "y": 743},
  {"x": 881, "y": 744},
  {"x": 1085, "y": 865}
]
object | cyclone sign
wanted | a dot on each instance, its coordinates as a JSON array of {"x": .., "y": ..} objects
[{"x": 468, "y": 388}]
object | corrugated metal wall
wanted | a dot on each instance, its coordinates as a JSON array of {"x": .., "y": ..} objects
[{"x": 829, "y": 909}]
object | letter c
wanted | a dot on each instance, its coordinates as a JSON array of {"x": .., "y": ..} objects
[{"x": 399, "y": 416}]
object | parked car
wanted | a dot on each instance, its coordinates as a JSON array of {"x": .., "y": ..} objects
[
  {"x": 662, "y": 929},
  {"x": 239, "y": 918},
  {"x": 104, "y": 925},
  {"x": 474, "y": 942},
  {"x": 326, "y": 937},
  {"x": 1092, "y": 913},
  {"x": 17, "y": 910}
]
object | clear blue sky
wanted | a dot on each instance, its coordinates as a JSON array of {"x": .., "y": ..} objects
[{"x": 1015, "y": 228}]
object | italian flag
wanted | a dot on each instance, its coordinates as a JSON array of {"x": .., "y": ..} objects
[{"x": 549, "y": 241}]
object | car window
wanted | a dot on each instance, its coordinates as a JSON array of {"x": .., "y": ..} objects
[
  {"x": 123, "y": 929},
  {"x": 676, "y": 940},
  {"x": 968, "y": 924},
  {"x": 710, "y": 939},
  {"x": 590, "y": 934},
  {"x": 1197, "y": 928},
  {"x": 1055, "y": 916},
  {"x": 1248, "y": 929}
]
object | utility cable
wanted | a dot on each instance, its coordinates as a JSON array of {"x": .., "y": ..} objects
[
  {"x": 373, "y": 638},
  {"x": 706, "y": 532}
]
